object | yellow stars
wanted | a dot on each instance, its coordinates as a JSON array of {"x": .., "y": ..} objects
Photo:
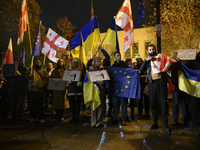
[
  {"x": 116, "y": 90},
  {"x": 122, "y": 90},
  {"x": 38, "y": 40},
  {"x": 115, "y": 71},
  {"x": 126, "y": 87},
  {"x": 128, "y": 82},
  {"x": 124, "y": 72},
  {"x": 37, "y": 36},
  {"x": 35, "y": 43},
  {"x": 128, "y": 77},
  {"x": 120, "y": 71}
]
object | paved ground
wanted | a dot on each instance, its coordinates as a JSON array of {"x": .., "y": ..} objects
[{"x": 25, "y": 135}]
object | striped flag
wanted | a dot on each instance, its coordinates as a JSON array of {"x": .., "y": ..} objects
[
  {"x": 124, "y": 20},
  {"x": 52, "y": 42},
  {"x": 22, "y": 22},
  {"x": 8, "y": 59}
]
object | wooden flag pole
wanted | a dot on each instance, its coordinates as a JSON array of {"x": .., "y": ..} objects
[
  {"x": 44, "y": 60},
  {"x": 100, "y": 45},
  {"x": 29, "y": 34}
]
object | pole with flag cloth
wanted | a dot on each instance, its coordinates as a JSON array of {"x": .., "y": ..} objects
[
  {"x": 124, "y": 20},
  {"x": 37, "y": 45},
  {"x": 92, "y": 9},
  {"x": 22, "y": 55},
  {"x": 82, "y": 56},
  {"x": 140, "y": 10},
  {"x": 8, "y": 59}
]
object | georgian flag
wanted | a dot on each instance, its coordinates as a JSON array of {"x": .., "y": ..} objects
[
  {"x": 124, "y": 20},
  {"x": 22, "y": 22},
  {"x": 160, "y": 62},
  {"x": 8, "y": 59},
  {"x": 52, "y": 42}
]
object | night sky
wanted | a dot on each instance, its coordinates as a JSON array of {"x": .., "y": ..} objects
[{"x": 79, "y": 12}]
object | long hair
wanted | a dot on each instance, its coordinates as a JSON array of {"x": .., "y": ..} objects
[{"x": 64, "y": 64}]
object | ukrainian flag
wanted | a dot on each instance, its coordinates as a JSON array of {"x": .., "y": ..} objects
[
  {"x": 189, "y": 81},
  {"x": 90, "y": 33},
  {"x": 91, "y": 93},
  {"x": 82, "y": 56},
  {"x": 111, "y": 36}
]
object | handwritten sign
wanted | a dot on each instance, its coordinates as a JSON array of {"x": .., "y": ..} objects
[
  {"x": 60, "y": 53},
  {"x": 100, "y": 75},
  {"x": 72, "y": 75},
  {"x": 187, "y": 54},
  {"x": 9, "y": 70},
  {"x": 56, "y": 84}
]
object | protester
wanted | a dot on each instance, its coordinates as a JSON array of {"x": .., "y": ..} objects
[
  {"x": 75, "y": 91},
  {"x": 121, "y": 100},
  {"x": 37, "y": 80},
  {"x": 97, "y": 114},
  {"x": 157, "y": 86},
  {"x": 59, "y": 97},
  {"x": 48, "y": 92},
  {"x": 17, "y": 90}
]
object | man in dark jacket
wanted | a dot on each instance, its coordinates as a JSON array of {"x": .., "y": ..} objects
[
  {"x": 121, "y": 100},
  {"x": 37, "y": 77},
  {"x": 18, "y": 90},
  {"x": 157, "y": 86}
]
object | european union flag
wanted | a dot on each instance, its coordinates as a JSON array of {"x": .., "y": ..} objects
[
  {"x": 189, "y": 80},
  {"x": 22, "y": 55},
  {"x": 126, "y": 82},
  {"x": 140, "y": 10},
  {"x": 37, "y": 44}
]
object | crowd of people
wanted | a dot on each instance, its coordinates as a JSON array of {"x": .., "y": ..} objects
[{"x": 32, "y": 84}]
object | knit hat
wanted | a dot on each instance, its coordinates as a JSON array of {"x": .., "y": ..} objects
[{"x": 96, "y": 58}]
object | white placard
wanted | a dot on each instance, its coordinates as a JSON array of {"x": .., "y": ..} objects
[
  {"x": 100, "y": 75},
  {"x": 187, "y": 54},
  {"x": 72, "y": 76},
  {"x": 56, "y": 84}
]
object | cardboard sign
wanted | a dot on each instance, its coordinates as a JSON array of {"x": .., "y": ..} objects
[
  {"x": 56, "y": 84},
  {"x": 9, "y": 70},
  {"x": 60, "y": 53},
  {"x": 100, "y": 75},
  {"x": 187, "y": 54},
  {"x": 72, "y": 75}
]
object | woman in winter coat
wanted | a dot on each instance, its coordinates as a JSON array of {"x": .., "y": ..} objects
[
  {"x": 75, "y": 92},
  {"x": 58, "y": 97}
]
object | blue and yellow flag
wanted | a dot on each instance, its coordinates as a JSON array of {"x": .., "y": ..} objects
[
  {"x": 126, "y": 82},
  {"x": 90, "y": 33},
  {"x": 91, "y": 93},
  {"x": 37, "y": 44},
  {"x": 111, "y": 36},
  {"x": 140, "y": 10},
  {"x": 82, "y": 56},
  {"x": 189, "y": 80}
]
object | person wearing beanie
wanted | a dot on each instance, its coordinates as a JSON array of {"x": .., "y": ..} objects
[
  {"x": 58, "y": 97},
  {"x": 97, "y": 114},
  {"x": 37, "y": 80},
  {"x": 75, "y": 91}
]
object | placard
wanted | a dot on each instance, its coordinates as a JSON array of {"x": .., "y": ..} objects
[
  {"x": 9, "y": 70},
  {"x": 71, "y": 75},
  {"x": 56, "y": 84},
  {"x": 187, "y": 54},
  {"x": 100, "y": 75},
  {"x": 60, "y": 53}
]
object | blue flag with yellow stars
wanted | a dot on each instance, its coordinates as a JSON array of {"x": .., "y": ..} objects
[
  {"x": 124, "y": 82},
  {"x": 37, "y": 44},
  {"x": 140, "y": 10}
]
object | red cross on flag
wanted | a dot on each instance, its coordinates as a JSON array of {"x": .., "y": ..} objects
[
  {"x": 124, "y": 20},
  {"x": 22, "y": 22},
  {"x": 159, "y": 63},
  {"x": 8, "y": 59},
  {"x": 52, "y": 42}
]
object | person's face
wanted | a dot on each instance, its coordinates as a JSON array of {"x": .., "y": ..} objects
[
  {"x": 50, "y": 66},
  {"x": 98, "y": 63},
  {"x": 75, "y": 64},
  {"x": 38, "y": 63},
  {"x": 139, "y": 62},
  {"x": 118, "y": 57},
  {"x": 61, "y": 63},
  {"x": 151, "y": 50}
]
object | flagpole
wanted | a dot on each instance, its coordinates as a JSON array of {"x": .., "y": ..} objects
[
  {"x": 120, "y": 8},
  {"x": 29, "y": 34},
  {"x": 92, "y": 10},
  {"x": 100, "y": 44},
  {"x": 44, "y": 60}
]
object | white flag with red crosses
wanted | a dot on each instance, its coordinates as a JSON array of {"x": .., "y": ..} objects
[
  {"x": 22, "y": 22},
  {"x": 52, "y": 42},
  {"x": 124, "y": 20}
]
